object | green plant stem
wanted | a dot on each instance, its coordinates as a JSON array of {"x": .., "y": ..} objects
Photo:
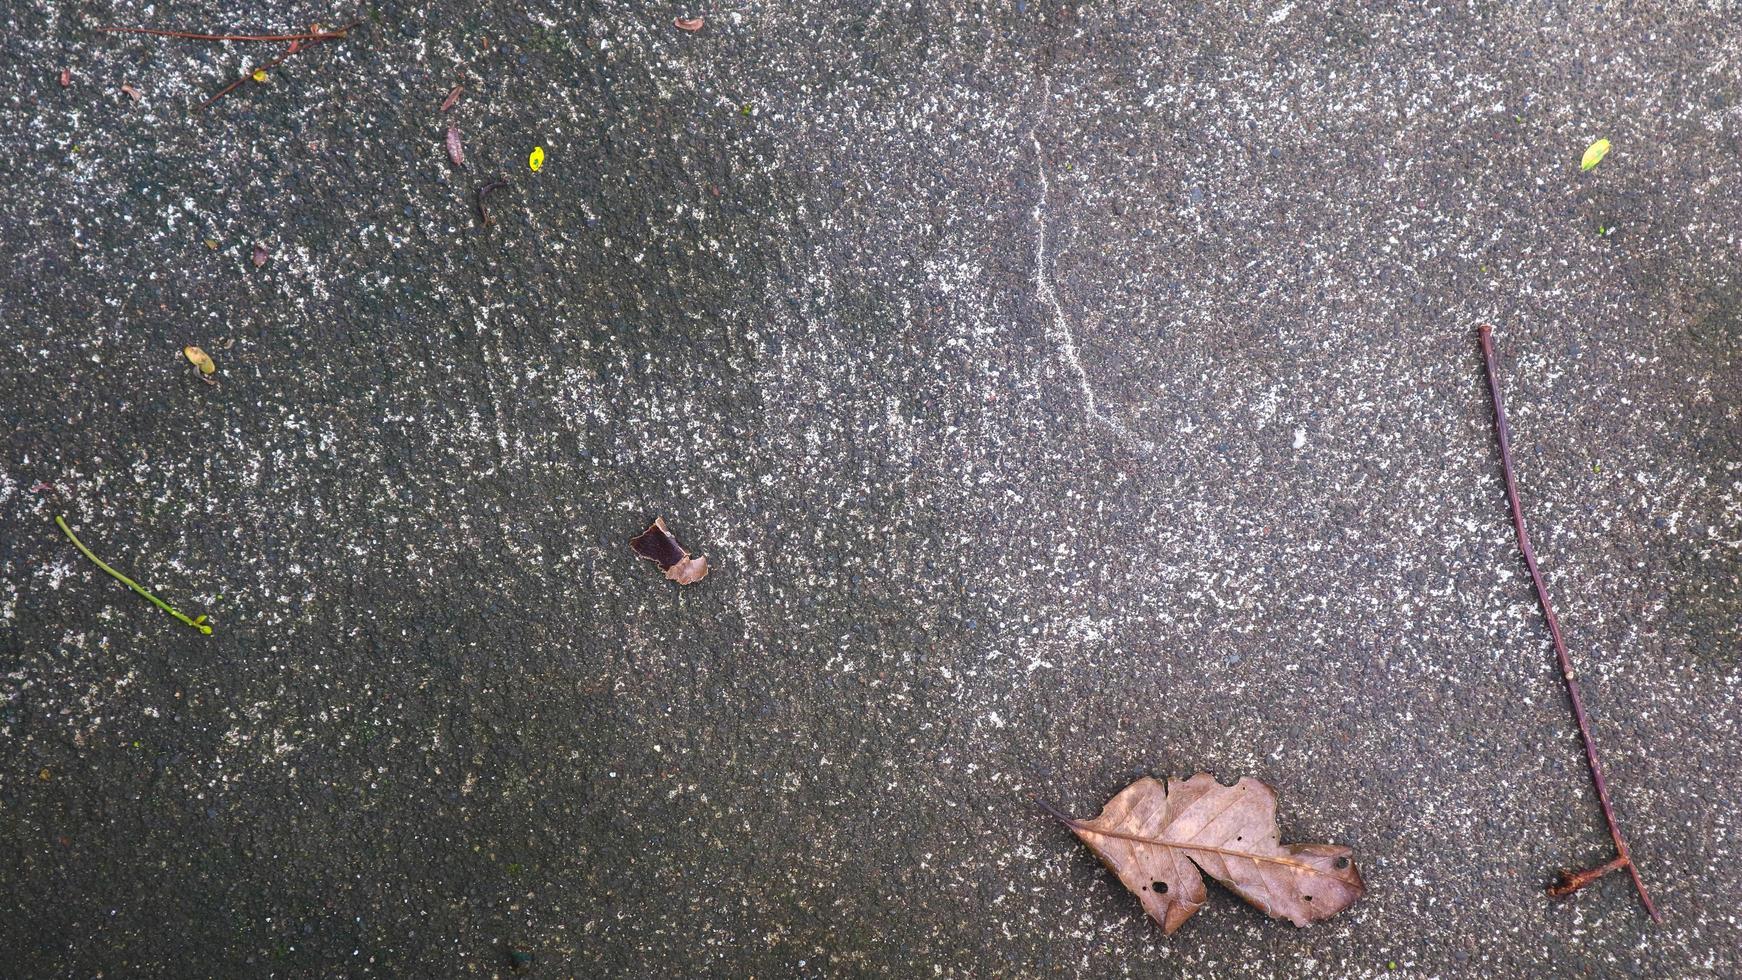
[{"x": 124, "y": 580}]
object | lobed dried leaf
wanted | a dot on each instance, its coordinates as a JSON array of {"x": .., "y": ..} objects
[
  {"x": 1157, "y": 836},
  {"x": 658, "y": 546}
]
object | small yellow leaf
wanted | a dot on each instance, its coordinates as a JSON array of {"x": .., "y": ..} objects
[
  {"x": 1594, "y": 154},
  {"x": 199, "y": 358},
  {"x": 260, "y": 75},
  {"x": 536, "y": 160}
]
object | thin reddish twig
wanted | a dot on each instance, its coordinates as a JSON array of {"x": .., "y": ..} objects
[
  {"x": 192, "y": 36},
  {"x": 1623, "y": 857},
  {"x": 295, "y": 46}
]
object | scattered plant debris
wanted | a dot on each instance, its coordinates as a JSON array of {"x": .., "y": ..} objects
[
  {"x": 1594, "y": 154},
  {"x": 66, "y": 77},
  {"x": 42, "y": 486},
  {"x": 456, "y": 152},
  {"x": 453, "y": 97},
  {"x": 259, "y": 256},
  {"x": 295, "y": 43},
  {"x": 198, "y": 623},
  {"x": 536, "y": 159},
  {"x": 691, "y": 24},
  {"x": 483, "y": 192},
  {"x": 1570, "y": 881},
  {"x": 658, "y": 546},
  {"x": 1157, "y": 836},
  {"x": 128, "y": 90}
]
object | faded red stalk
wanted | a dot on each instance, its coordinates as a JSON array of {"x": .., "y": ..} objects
[
  {"x": 191, "y": 36},
  {"x": 1623, "y": 857}
]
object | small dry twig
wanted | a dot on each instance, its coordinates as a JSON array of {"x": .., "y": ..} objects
[
  {"x": 482, "y": 192},
  {"x": 1573, "y": 881},
  {"x": 297, "y": 42}
]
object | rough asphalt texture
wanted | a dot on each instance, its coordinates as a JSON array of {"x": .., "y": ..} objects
[{"x": 1060, "y": 394}]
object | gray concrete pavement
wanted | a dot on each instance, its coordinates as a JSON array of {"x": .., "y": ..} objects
[{"x": 1061, "y": 394}]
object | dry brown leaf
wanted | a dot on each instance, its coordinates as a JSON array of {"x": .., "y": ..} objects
[
  {"x": 453, "y": 97},
  {"x": 259, "y": 256},
  {"x": 1156, "y": 836},
  {"x": 130, "y": 91},
  {"x": 691, "y": 24},
  {"x": 66, "y": 77},
  {"x": 658, "y": 546}
]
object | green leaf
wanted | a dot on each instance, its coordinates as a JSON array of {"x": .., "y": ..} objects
[{"x": 1594, "y": 154}]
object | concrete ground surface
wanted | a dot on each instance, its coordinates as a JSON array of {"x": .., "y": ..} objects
[{"x": 1061, "y": 394}]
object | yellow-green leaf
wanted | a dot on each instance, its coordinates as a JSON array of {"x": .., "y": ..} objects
[
  {"x": 536, "y": 160},
  {"x": 1594, "y": 154},
  {"x": 198, "y": 358},
  {"x": 260, "y": 75}
]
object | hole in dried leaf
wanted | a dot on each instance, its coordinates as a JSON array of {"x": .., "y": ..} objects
[
  {"x": 1307, "y": 898},
  {"x": 1161, "y": 887},
  {"x": 1342, "y": 862}
]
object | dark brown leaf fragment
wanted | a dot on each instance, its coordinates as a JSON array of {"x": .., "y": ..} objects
[
  {"x": 691, "y": 24},
  {"x": 658, "y": 546},
  {"x": 128, "y": 89},
  {"x": 1157, "y": 837},
  {"x": 259, "y": 257},
  {"x": 66, "y": 77},
  {"x": 456, "y": 152},
  {"x": 453, "y": 97}
]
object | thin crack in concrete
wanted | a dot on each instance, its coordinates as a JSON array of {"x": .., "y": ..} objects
[{"x": 1059, "y": 332}]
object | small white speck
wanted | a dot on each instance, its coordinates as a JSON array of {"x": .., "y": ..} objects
[
  {"x": 1300, "y": 438},
  {"x": 1281, "y": 12}
]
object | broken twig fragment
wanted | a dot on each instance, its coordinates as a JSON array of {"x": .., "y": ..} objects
[
  {"x": 295, "y": 43},
  {"x": 198, "y": 623},
  {"x": 1571, "y": 881},
  {"x": 658, "y": 546},
  {"x": 483, "y": 192},
  {"x": 1157, "y": 836}
]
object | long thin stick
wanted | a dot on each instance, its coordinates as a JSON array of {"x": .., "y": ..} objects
[
  {"x": 199, "y": 624},
  {"x": 1623, "y": 857},
  {"x": 191, "y": 36}
]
